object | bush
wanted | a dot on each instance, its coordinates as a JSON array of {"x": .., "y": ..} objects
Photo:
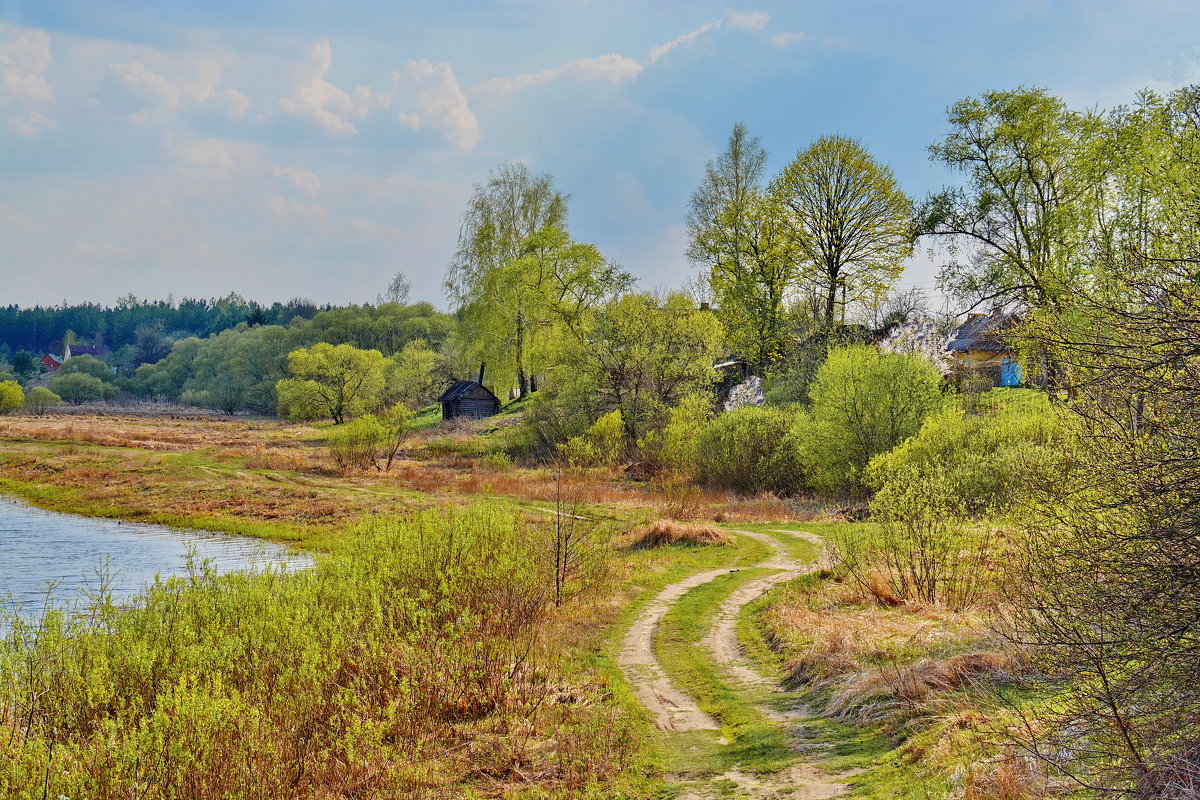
[
  {"x": 78, "y": 387},
  {"x": 748, "y": 450},
  {"x": 357, "y": 444},
  {"x": 680, "y": 440},
  {"x": 603, "y": 444},
  {"x": 11, "y": 397},
  {"x": 864, "y": 403},
  {"x": 40, "y": 400},
  {"x": 922, "y": 550},
  {"x": 989, "y": 459}
]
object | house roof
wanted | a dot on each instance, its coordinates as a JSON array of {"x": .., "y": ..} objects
[
  {"x": 983, "y": 332},
  {"x": 53, "y": 358},
  {"x": 459, "y": 389}
]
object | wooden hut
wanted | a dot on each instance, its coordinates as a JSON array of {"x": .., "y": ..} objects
[
  {"x": 980, "y": 344},
  {"x": 470, "y": 399}
]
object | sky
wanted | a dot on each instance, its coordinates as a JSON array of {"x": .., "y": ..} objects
[{"x": 304, "y": 149}]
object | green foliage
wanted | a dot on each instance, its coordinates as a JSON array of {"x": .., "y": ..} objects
[
  {"x": 356, "y": 444},
  {"x": 86, "y": 365},
  {"x": 864, "y": 403},
  {"x": 11, "y": 397},
  {"x": 384, "y": 669},
  {"x": 922, "y": 550},
  {"x": 413, "y": 375},
  {"x": 603, "y": 444},
  {"x": 335, "y": 381},
  {"x": 738, "y": 234},
  {"x": 637, "y": 355},
  {"x": 680, "y": 439},
  {"x": 40, "y": 400},
  {"x": 989, "y": 460},
  {"x": 749, "y": 450},
  {"x": 849, "y": 221},
  {"x": 77, "y": 387}
]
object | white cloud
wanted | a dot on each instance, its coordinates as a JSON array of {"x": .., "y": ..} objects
[
  {"x": 789, "y": 37},
  {"x": 24, "y": 59},
  {"x": 612, "y": 68},
  {"x": 660, "y": 51},
  {"x": 425, "y": 95},
  {"x": 23, "y": 64},
  {"x": 434, "y": 100},
  {"x": 319, "y": 100},
  {"x": 748, "y": 20},
  {"x": 201, "y": 87},
  {"x": 33, "y": 123},
  {"x": 300, "y": 179},
  {"x": 212, "y": 157},
  {"x": 744, "y": 20}
]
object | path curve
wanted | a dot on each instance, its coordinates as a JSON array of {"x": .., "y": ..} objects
[{"x": 671, "y": 709}]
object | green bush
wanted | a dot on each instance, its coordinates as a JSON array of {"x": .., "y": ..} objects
[
  {"x": 864, "y": 403},
  {"x": 40, "y": 400},
  {"x": 922, "y": 549},
  {"x": 11, "y": 397},
  {"x": 79, "y": 387},
  {"x": 679, "y": 443},
  {"x": 748, "y": 450},
  {"x": 988, "y": 459},
  {"x": 357, "y": 444},
  {"x": 603, "y": 444}
]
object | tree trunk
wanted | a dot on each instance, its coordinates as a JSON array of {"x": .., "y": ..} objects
[
  {"x": 522, "y": 378},
  {"x": 831, "y": 294}
]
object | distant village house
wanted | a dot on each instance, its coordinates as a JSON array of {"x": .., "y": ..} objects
[
  {"x": 981, "y": 345},
  {"x": 469, "y": 399}
]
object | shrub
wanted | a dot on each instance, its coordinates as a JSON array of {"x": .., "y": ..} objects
[
  {"x": 77, "y": 387},
  {"x": 680, "y": 439},
  {"x": 40, "y": 400},
  {"x": 11, "y": 397},
  {"x": 357, "y": 444},
  {"x": 989, "y": 459},
  {"x": 864, "y": 403},
  {"x": 748, "y": 450},
  {"x": 603, "y": 444},
  {"x": 923, "y": 549}
]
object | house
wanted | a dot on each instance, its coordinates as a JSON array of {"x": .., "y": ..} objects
[
  {"x": 470, "y": 399},
  {"x": 51, "y": 362},
  {"x": 980, "y": 344}
]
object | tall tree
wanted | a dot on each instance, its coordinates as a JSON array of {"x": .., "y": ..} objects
[
  {"x": 737, "y": 235},
  {"x": 849, "y": 219},
  {"x": 502, "y": 214},
  {"x": 1033, "y": 173}
]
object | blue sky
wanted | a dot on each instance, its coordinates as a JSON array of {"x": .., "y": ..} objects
[{"x": 303, "y": 149}]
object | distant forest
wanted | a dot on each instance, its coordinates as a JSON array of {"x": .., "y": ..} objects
[{"x": 135, "y": 323}]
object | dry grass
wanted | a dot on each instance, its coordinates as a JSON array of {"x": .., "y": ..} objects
[{"x": 668, "y": 532}]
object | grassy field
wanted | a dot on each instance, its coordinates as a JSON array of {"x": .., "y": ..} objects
[{"x": 890, "y": 684}]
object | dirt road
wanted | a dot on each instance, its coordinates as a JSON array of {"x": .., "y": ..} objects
[{"x": 672, "y": 710}]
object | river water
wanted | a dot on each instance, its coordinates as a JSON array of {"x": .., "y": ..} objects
[{"x": 39, "y": 547}]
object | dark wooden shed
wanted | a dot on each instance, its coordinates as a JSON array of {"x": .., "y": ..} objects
[{"x": 469, "y": 399}]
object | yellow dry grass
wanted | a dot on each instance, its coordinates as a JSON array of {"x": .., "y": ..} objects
[{"x": 667, "y": 532}]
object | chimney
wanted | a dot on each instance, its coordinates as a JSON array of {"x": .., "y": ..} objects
[{"x": 481, "y": 366}]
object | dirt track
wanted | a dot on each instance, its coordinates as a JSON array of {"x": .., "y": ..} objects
[{"x": 672, "y": 710}]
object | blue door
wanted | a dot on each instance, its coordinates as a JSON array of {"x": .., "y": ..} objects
[{"x": 1010, "y": 372}]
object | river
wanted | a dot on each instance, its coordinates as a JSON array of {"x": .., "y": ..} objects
[{"x": 39, "y": 548}]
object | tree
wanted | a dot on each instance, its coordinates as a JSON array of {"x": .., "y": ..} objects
[
  {"x": 503, "y": 213},
  {"x": 848, "y": 219},
  {"x": 738, "y": 235},
  {"x": 397, "y": 291},
  {"x": 336, "y": 381},
  {"x": 87, "y": 365},
  {"x": 413, "y": 375},
  {"x": 40, "y": 400},
  {"x": 24, "y": 364},
  {"x": 11, "y": 397},
  {"x": 78, "y": 388},
  {"x": 1033, "y": 174},
  {"x": 151, "y": 342},
  {"x": 864, "y": 403},
  {"x": 638, "y": 355}
]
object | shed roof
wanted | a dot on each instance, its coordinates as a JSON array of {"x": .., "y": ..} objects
[
  {"x": 983, "y": 332},
  {"x": 459, "y": 389}
]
